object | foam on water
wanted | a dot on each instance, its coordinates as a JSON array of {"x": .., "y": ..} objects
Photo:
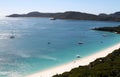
[{"x": 47, "y": 57}]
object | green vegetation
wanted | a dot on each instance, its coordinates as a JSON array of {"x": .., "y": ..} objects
[
  {"x": 109, "y": 29},
  {"x": 108, "y": 66}
]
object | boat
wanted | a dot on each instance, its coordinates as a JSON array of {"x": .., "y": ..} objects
[
  {"x": 52, "y": 18},
  {"x": 49, "y": 42},
  {"x": 78, "y": 56},
  {"x": 12, "y": 37},
  {"x": 104, "y": 35},
  {"x": 80, "y": 43},
  {"x": 116, "y": 32}
]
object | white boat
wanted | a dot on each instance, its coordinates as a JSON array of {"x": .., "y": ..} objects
[
  {"x": 52, "y": 18},
  {"x": 104, "y": 35},
  {"x": 12, "y": 36},
  {"x": 80, "y": 43},
  {"x": 78, "y": 56}
]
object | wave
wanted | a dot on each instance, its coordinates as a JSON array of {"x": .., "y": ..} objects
[
  {"x": 48, "y": 57},
  {"x": 1, "y": 59},
  {"x": 24, "y": 55},
  {"x": 14, "y": 74},
  {"x": 43, "y": 27},
  {"x": 4, "y": 73},
  {"x": 10, "y": 74},
  {"x": 41, "y": 56}
]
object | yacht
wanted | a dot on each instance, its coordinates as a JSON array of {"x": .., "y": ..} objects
[
  {"x": 52, "y": 18},
  {"x": 12, "y": 37}
]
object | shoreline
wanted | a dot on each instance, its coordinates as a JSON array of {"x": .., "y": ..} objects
[{"x": 74, "y": 64}]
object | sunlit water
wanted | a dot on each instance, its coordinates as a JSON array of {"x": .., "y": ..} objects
[{"x": 41, "y": 43}]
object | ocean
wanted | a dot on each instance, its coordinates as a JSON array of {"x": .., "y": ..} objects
[{"x": 40, "y": 43}]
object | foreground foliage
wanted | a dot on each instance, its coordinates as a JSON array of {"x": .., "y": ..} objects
[{"x": 108, "y": 66}]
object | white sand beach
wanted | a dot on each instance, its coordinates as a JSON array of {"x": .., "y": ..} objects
[{"x": 83, "y": 61}]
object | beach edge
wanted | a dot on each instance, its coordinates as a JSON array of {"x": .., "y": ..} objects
[{"x": 74, "y": 64}]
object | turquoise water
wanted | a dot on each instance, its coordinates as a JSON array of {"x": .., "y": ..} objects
[{"x": 30, "y": 52}]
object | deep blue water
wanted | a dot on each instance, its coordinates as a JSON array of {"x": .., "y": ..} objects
[{"x": 30, "y": 52}]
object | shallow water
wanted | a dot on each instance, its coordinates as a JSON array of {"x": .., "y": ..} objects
[{"x": 41, "y": 43}]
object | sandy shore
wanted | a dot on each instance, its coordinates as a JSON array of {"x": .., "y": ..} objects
[{"x": 67, "y": 67}]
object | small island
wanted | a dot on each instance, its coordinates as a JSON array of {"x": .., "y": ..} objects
[{"x": 109, "y": 29}]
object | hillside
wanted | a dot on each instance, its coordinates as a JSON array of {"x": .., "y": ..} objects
[
  {"x": 108, "y": 66},
  {"x": 72, "y": 15},
  {"x": 117, "y": 14},
  {"x": 109, "y": 29}
]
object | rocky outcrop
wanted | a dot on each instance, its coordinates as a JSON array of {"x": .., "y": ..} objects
[{"x": 109, "y": 29}]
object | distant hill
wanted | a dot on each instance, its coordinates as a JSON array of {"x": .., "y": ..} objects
[
  {"x": 72, "y": 15},
  {"x": 32, "y": 14},
  {"x": 116, "y": 14},
  {"x": 108, "y": 66},
  {"x": 102, "y": 14}
]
